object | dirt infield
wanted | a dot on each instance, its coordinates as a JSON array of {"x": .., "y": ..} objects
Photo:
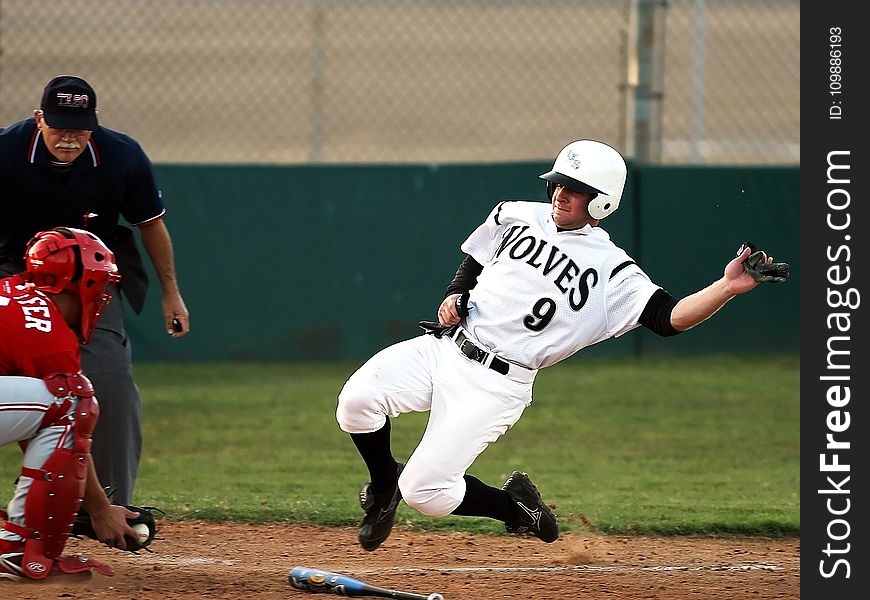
[{"x": 224, "y": 561}]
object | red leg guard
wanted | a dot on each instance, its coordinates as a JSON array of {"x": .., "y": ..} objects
[
  {"x": 77, "y": 564},
  {"x": 12, "y": 567},
  {"x": 58, "y": 487}
]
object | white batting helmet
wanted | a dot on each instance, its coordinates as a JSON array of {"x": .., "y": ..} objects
[{"x": 590, "y": 166}]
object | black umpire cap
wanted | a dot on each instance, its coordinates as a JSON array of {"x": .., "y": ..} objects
[{"x": 69, "y": 102}]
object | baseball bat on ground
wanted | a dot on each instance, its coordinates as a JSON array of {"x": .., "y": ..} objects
[{"x": 318, "y": 581}]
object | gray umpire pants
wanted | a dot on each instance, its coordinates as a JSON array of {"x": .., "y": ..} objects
[
  {"x": 117, "y": 438},
  {"x": 107, "y": 361}
]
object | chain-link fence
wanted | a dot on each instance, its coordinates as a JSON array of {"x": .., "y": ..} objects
[{"x": 295, "y": 81}]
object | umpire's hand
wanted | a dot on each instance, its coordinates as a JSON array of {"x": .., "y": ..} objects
[{"x": 175, "y": 316}]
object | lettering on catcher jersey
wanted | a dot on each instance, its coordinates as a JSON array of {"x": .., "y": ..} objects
[
  {"x": 548, "y": 260},
  {"x": 32, "y": 308}
]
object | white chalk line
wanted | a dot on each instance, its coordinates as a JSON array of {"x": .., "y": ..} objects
[
  {"x": 577, "y": 568},
  {"x": 190, "y": 561},
  {"x": 202, "y": 560}
]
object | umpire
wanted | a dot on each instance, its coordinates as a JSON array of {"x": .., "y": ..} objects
[{"x": 61, "y": 168}]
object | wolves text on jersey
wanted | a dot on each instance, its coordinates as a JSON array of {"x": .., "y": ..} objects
[{"x": 520, "y": 247}]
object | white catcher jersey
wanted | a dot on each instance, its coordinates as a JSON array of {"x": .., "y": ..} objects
[{"x": 545, "y": 294}]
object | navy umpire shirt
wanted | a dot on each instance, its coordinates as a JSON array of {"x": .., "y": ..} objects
[{"x": 112, "y": 178}]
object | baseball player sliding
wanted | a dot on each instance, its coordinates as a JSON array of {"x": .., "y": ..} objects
[{"x": 540, "y": 282}]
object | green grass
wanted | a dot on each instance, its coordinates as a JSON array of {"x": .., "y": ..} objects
[{"x": 704, "y": 445}]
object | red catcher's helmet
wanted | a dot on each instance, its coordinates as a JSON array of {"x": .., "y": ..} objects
[{"x": 74, "y": 260}]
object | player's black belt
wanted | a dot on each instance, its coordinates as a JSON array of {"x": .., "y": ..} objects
[{"x": 469, "y": 349}]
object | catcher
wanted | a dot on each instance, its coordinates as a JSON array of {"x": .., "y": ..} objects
[
  {"x": 48, "y": 406},
  {"x": 540, "y": 282}
]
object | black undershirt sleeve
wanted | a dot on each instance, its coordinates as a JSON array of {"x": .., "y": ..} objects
[
  {"x": 656, "y": 315},
  {"x": 466, "y": 276}
]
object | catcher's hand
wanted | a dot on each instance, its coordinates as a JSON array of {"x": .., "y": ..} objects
[
  {"x": 761, "y": 267},
  {"x": 82, "y": 527}
]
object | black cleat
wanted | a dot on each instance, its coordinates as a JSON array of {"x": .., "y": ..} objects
[
  {"x": 533, "y": 515},
  {"x": 380, "y": 513}
]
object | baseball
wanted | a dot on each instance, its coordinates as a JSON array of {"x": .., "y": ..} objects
[{"x": 142, "y": 532}]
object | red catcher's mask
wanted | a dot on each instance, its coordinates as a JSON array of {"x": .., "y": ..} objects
[{"x": 68, "y": 259}]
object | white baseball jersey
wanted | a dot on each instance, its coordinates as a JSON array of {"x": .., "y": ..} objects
[{"x": 545, "y": 294}]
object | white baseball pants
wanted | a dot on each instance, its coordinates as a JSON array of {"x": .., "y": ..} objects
[
  {"x": 23, "y": 402},
  {"x": 470, "y": 406}
]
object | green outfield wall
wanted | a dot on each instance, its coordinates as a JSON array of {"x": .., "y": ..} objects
[{"x": 308, "y": 263}]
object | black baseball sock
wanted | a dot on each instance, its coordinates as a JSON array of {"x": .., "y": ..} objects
[
  {"x": 375, "y": 450},
  {"x": 482, "y": 500}
]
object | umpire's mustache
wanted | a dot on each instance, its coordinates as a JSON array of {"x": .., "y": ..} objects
[{"x": 67, "y": 145}]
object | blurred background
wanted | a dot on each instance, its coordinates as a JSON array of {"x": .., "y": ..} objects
[
  {"x": 322, "y": 160},
  {"x": 398, "y": 81}
]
